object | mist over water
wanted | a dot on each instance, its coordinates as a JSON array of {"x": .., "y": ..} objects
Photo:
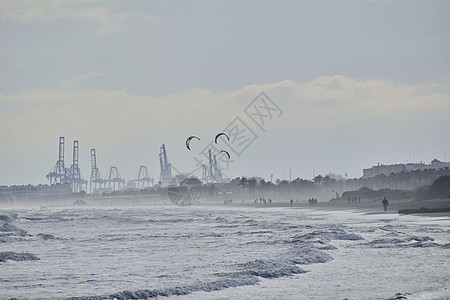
[{"x": 220, "y": 252}]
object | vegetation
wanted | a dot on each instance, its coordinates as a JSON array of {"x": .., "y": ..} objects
[
  {"x": 440, "y": 188},
  {"x": 326, "y": 188},
  {"x": 426, "y": 184}
]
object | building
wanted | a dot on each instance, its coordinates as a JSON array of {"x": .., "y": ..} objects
[
  {"x": 26, "y": 192},
  {"x": 398, "y": 168}
]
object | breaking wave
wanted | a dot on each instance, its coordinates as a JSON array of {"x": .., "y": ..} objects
[
  {"x": 4, "y": 256},
  {"x": 7, "y": 228},
  {"x": 305, "y": 255},
  {"x": 329, "y": 235},
  {"x": 249, "y": 275},
  {"x": 6, "y": 218},
  {"x": 404, "y": 242},
  {"x": 176, "y": 291},
  {"x": 271, "y": 268}
]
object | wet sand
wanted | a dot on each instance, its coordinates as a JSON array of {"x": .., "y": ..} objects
[{"x": 368, "y": 207}]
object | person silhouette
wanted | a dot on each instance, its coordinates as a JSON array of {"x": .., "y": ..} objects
[{"x": 385, "y": 203}]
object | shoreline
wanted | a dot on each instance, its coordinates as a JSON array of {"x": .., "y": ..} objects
[
  {"x": 373, "y": 207},
  {"x": 367, "y": 206}
]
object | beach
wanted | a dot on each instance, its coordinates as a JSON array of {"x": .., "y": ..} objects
[{"x": 367, "y": 207}]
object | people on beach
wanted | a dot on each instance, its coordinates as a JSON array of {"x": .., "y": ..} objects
[
  {"x": 312, "y": 202},
  {"x": 292, "y": 202},
  {"x": 385, "y": 203}
]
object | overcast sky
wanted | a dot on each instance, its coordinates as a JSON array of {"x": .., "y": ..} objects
[{"x": 353, "y": 84}]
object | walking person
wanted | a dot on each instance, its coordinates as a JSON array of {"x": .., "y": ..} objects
[{"x": 385, "y": 203}]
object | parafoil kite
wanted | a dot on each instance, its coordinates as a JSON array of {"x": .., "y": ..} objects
[
  {"x": 226, "y": 152},
  {"x": 189, "y": 140},
  {"x": 222, "y": 133}
]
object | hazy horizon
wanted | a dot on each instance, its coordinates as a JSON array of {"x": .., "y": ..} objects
[{"x": 356, "y": 83}]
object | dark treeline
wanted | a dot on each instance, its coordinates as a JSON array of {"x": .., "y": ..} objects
[
  {"x": 326, "y": 188},
  {"x": 245, "y": 189},
  {"x": 322, "y": 187}
]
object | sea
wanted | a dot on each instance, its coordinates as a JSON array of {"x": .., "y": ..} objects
[{"x": 221, "y": 252}]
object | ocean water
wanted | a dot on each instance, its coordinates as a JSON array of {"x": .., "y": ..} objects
[{"x": 221, "y": 252}]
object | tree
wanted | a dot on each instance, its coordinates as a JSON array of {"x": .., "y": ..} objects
[
  {"x": 318, "y": 179},
  {"x": 252, "y": 185},
  {"x": 243, "y": 182}
]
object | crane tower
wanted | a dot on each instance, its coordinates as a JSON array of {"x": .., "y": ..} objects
[
  {"x": 75, "y": 177},
  {"x": 166, "y": 168},
  {"x": 97, "y": 182},
  {"x": 142, "y": 178},
  {"x": 59, "y": 174},
  {"x": 115, "y": 182}
]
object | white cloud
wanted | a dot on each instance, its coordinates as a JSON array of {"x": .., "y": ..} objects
[
  {"x": 324, "y": 102},
  {"x": 330, "y": 112},
  {"x": 330, "y": 99},
  {"x": 113, "y": 116},
  {"x": 47, "y": 11},
  {"x": 77, "y": 81}
]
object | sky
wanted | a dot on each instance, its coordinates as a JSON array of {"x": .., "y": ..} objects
[{"x": 308, "y": 87}]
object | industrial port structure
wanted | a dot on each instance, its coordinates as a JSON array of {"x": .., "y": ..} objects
[
  {"x": 60, "y": 174},
  {"x": 211, "y": 172},
  {"x": 65, "y": 181},
  {"x": 113, "y": 181}
]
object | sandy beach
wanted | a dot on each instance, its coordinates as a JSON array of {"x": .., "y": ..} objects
[{"x": 368, "y": 207}]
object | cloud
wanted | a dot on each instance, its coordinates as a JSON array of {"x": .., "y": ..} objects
[
  {"x": 108, "y": 117},
  {"x": 77, "y": 81},
  {"x": 46, "y": 11},
  {"x": 331, "y": 100},
  {"x": 324, "y": 102}
]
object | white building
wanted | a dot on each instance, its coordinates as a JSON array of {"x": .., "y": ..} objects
[{"x": 398, "y": 168}]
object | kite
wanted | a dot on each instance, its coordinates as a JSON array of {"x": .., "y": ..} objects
[
  {"x": 189, "y": 140},
  {"x": 226, "y": 152},
  {"x": 222, "y": 133}
]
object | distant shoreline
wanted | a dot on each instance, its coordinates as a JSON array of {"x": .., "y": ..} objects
[
  {"x": 429, "y": 207},
  {"x": 432, "y": 206}
]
